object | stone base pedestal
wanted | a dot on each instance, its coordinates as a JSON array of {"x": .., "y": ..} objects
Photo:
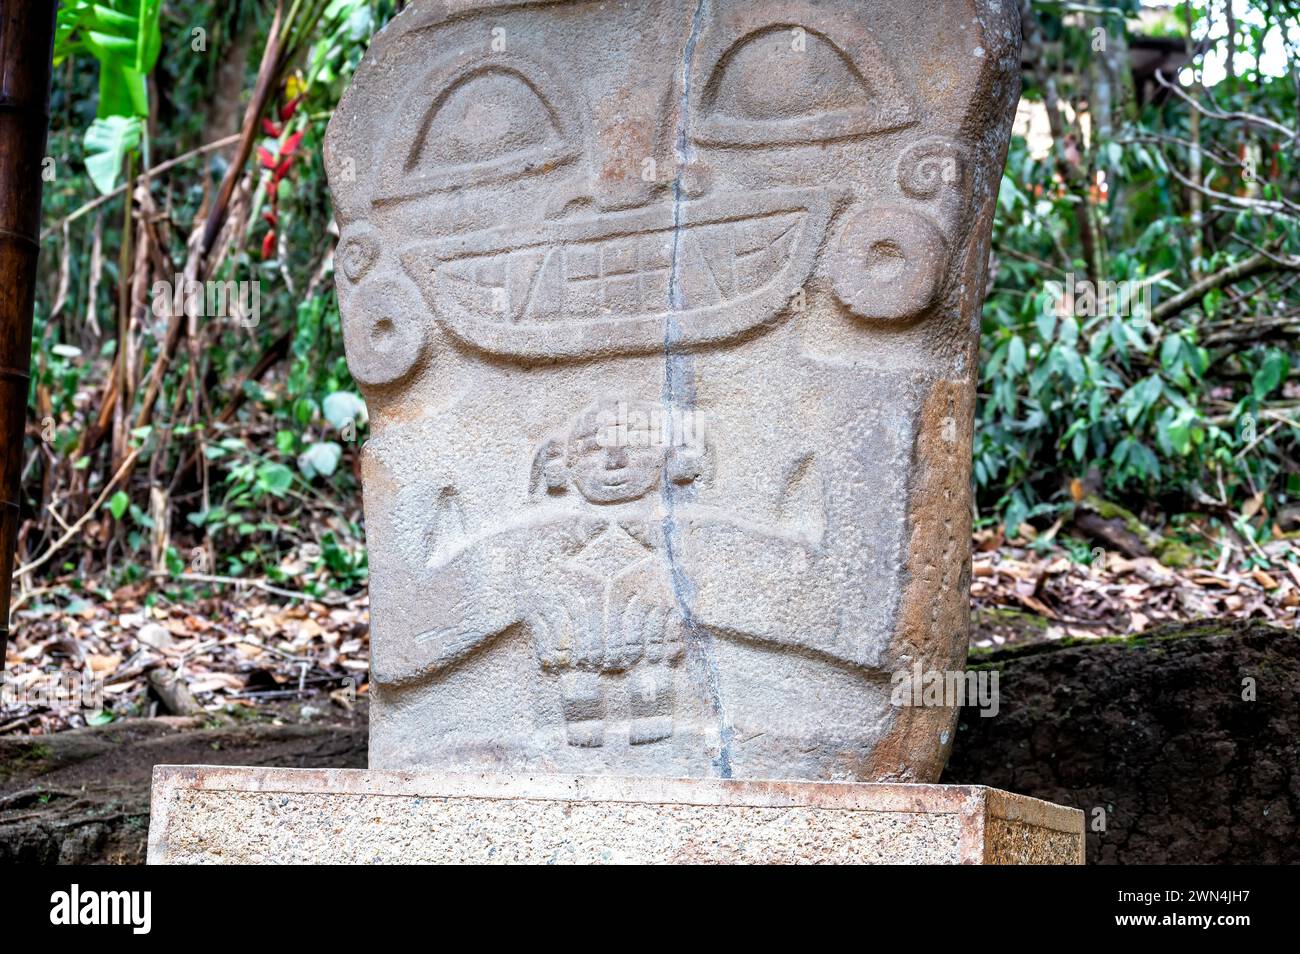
[{"x": 209, "y": 814}]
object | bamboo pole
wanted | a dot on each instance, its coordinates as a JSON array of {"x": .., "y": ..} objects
[{"x": 26, "y": 46}]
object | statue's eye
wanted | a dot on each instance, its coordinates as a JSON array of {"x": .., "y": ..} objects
[
  {"x": 782, "y": 75},
  {"x": 489, "y": 123},
  {"x": 787, "y": 85},
  {"x": 482, "y": 118}
]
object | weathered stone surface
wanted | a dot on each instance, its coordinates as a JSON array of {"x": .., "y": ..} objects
[
  {"x": 207, "y": 814},
  {"x": 763, "y": 224}
]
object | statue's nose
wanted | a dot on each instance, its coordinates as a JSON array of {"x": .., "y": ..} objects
[{"x": 633, "y": 159}]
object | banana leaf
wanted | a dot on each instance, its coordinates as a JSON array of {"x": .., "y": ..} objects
[
  {"x": 107, "y": 143},
  {"x": 125, "y": 37}
]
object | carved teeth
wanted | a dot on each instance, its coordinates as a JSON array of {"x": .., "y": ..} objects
[
  {"x": 521, "y": 276},
  {"x": 697, "y": 288},
  {"x": 624, "y": 275},
  {"x": 546, "y": 299},
  {"x": 719, "y": 250}
]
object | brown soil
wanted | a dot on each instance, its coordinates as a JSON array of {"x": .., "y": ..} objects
[
  {"x": 1155, "y": 732},
  {"x": 82, "y": 796}
]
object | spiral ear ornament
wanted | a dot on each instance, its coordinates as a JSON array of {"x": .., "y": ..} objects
[
  {"x": 888, "y": 264},
  {"x": 930, "y": 166},
  {"x": 358, "y": 251},
  {"x": 383, "y": 333}
]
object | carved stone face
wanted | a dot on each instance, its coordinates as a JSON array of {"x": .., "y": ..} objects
[
  {"x": 772, "y": 212},
  {"x": 613, "y": 463}
]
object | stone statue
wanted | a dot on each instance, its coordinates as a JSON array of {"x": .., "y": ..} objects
[{"x": 667, "y": 312}]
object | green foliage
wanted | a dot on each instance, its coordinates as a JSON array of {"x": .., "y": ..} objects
[
  {"x": 271, "y": 489},
  {"x": 1189, "y": 408},
  {"x": 125, "y": 37},
  {"x": 108, "y": 143}
]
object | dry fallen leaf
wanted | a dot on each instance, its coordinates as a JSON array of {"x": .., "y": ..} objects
[
  {"x": 155, "y": 636},
  {"x": 101, "y": 664},
  {"x": 1264, "y": 580}
]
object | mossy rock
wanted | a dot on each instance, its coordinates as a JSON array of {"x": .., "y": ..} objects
[
  {"x": 1169, "y": 551},
  {"x": 1174, "y": 554}
]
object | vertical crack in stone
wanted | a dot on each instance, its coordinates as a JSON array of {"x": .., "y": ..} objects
[{"x": 678, "y": 393}]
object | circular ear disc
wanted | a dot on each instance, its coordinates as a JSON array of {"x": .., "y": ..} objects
[
  {"x": 383, "y": 332},
  {"x": 888, "y": 263},
  {"x": 358, "y": 250}
]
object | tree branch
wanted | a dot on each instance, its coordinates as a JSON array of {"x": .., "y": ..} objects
[{"x": 1238, "y": 271}]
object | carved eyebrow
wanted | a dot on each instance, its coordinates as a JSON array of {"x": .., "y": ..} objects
[
  {"x": 404, "y": 176},
  {"x": 459, "y": 81},
  {"x": 742, "y": 42},
  {"x": 888, "y": 106}
]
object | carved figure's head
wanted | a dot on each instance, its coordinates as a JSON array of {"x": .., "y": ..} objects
[
  {"x": 619, "y": 451},
  {"x": 552, "y": 180},
  {"x": 613, "y": 463}
]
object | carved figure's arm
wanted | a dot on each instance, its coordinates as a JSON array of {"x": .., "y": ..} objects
[{"x": 475, "y": 596}]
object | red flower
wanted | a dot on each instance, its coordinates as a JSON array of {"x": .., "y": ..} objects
[
  {"x": 289, "y": 108},
  {"x": 291, "y": 144}
]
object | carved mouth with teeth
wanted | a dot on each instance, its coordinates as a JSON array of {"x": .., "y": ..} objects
[
  {"x": 624, "y": 275},
  {"x": 629, "y": 282}
]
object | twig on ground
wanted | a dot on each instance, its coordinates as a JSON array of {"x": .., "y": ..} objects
[{"x": 258, "y": 584}]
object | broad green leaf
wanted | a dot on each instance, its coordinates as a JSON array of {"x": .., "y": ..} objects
[
  {"x": 275, "y": 478},
  {"x": 1171, "y": 350},
  {"x": 107, "y": 143},
  {"x": 118, "y": 503},
  {"x": 1079, "y": 445},
  {"x": 304, "y": 409},
  {"x": 125, "y": 37},
  {"x": 1016, "y": 355},
  {"x": 72, "y": 15},
  {"x": 1015, "y": 514},
  {"x": 1069, "y": 333},
  {"x": 1008, "y": 195},
  {"x": 1046, "y": 322},
  {"x": 322, "y": 459},
  {"x": 344, "y": 407},
  {"x": 1270, "y": 374}
]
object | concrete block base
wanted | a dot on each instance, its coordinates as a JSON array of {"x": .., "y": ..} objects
[{"x": 216, "y": 815}]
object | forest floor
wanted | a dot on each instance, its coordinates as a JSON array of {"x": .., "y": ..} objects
[{"x": 74, "y": 661}]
